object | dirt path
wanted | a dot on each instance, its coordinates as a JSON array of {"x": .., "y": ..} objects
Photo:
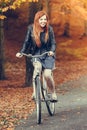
[{"x": 70, "y": 110}]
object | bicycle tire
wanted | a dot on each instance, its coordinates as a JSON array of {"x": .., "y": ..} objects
[
  {"x": 50, "y": 107},
  {"x": 38, "y": 100},
  {"x": 49, "y": 104}
]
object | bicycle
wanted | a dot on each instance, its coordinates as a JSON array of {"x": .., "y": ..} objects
[{"x": 41, "y": 87}]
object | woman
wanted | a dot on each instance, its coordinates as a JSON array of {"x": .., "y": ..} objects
[{"x": 39, "y": 39}]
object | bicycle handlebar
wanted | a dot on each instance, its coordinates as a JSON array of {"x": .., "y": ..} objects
[{"x": 35, "y": 56}]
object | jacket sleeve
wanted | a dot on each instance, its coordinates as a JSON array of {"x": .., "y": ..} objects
[
  {"x": 26, "y": 41},
  {"x": 52, "y": 40}
]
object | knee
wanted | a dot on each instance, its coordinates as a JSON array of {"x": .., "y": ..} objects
[{"x": 47, "y": 73}]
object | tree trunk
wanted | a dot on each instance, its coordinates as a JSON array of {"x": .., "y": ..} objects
[
  {"x": 65, "y": 8},
  {"x": 85, "y": 21},
  {"x": 48, "y": 7},
  {"x": 66, "y": 29},
  {"x": 33, "y": 8},
  {"x": 2, "y": 72}
]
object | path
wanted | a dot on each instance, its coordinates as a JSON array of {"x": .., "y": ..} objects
[{"x": 71, "y": 110}]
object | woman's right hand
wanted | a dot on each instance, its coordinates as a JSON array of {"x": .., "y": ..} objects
[{"x": 19, "y": 55}]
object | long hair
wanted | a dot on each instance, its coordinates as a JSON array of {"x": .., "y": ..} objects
[{"x": 37, "y": 28}]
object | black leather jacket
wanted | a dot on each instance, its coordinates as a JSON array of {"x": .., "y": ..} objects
[{"x": 30, "y": 46}]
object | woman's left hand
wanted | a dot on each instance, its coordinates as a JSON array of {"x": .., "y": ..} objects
[{"x": 51, "y": 53}]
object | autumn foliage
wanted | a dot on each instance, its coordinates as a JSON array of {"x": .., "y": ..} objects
[{"x": 11, "y": 4}]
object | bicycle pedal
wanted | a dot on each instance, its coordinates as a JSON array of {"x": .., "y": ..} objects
[{"x": 54, "y": 101}]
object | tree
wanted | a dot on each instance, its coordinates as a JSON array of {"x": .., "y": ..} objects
[
  {"x": 2, "y": 72},
  {"x": 48, "y": 7},
  {"x": 79, "y": 10},
  {"x": 65, "y": 8},
  {"x": 4, "y": 6},
  {"x": 33, "y": 8},
  {"x": 85, "y": 21}
]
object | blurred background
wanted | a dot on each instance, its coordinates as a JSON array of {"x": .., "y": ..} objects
[
  {"x": 67, "y": 17},
  {"x": 69, "y": 21}
]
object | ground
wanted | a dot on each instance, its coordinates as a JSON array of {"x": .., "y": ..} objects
[{"x": 15, "y": 99}]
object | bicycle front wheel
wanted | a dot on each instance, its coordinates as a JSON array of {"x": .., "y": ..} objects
[{"x": 38, "y": 99}]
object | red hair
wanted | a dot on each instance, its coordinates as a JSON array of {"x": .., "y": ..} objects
[{"x": 37, "y": 28}]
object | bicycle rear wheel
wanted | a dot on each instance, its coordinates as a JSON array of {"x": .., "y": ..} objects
[
  {"x": 38, "y": 99},
  {"x": 50, "y": 107}
]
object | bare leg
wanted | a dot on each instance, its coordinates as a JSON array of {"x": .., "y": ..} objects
[{"x": 48, "y": 76}]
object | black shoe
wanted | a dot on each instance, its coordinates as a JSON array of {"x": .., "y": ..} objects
[{"x": 54, "y": 98}]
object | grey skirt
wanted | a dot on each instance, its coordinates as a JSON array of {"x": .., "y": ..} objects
[{"x": 48, "y": 62}]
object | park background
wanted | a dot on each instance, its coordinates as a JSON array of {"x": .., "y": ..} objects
[{"x": 69, "y": 21}]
